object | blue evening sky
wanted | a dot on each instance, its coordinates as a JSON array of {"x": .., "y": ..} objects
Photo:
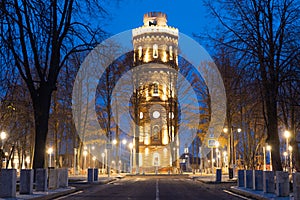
[{"x": 189, "y": 16}]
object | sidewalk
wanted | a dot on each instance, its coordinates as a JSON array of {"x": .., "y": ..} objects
[
  {"x": 55, "y": 193},
  {"x": 260, "y": 195}
]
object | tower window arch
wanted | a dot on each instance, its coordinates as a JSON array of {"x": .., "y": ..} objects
[{"x": 155, "y": 51}]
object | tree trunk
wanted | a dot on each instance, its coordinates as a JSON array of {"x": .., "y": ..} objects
[
  {"x": 41, "y": 104},
  {"x": 272, "y": 130}
]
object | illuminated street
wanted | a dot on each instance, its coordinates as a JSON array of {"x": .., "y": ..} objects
[{"x": 154, "y": 187}]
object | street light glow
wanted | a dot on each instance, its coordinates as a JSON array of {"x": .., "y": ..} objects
[
  {"x": 124, "y": 141},
  {"x": 114, "y": 141},
  {"x": 85, "y": 153},
  {"x": 290, "y": 148},
  {"x": 225, "y": 130},
  {"x": 50, "y": 150},
  {"x": 269, "y": 148},
  {"x": 27, "y": 160},
  {"x": 287, "y": 134},
  {"x": 130, "y": 145},
  {"x": 239, "y": 130},
  {"x": 3, "y": 135}
]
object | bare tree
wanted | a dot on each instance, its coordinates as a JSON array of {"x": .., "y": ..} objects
[
  {"x": 40, "y": 36},
  {"x": 266, "y": 34}
]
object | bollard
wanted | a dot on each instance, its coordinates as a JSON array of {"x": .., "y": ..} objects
[
  {"x": 282, "y": 184},
  {"x": 53, "y": 179},
  {"x": 90, "y": 175},
  {"x": 41, "y": 179},
  {"x": 241, "y": 178},
  {"x": 249, "y": 179},
  {"x": 296, "y": 185},
  {"x": 268, "y": 182},
  {"x": 257, "y": 180},
  {"x": 26, "y": 181},
  {"x": 8, "y": 178},
  {"x": 96, "y": 171},
  {"x": 219, "y": 175},
  {"x": 63, "y": 178}
]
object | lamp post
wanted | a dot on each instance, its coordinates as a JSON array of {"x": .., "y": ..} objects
[
  {"x": 131, "y": 149},
  {"x": 269, "y": 149},
  {"x": 285, "y": 160},
  {"x": 124, "y": 142},
  {"x": 103, "y": 155},
  {"x": 217, "y": 153},
  {"x": 84, "y": 154},
  {"x": 50, "y": 151},
  {"x": 287, "y": 135},
  {"x": 291, "y": 158},
  {"x": 225, "y": 158},
  {"x": 3, "y": 137},
  {"x": 231, "y": 149},
  {"x": 114, "y": 142},
  {"x": 94, "y": 159},
  {"x": 90, "y": 154}
]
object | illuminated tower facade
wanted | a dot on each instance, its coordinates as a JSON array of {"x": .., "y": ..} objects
[{"x": 155, "y": 104}]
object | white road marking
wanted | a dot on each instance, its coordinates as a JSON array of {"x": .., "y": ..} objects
[
  {"x": 157, "y": 190},
  {"x": 233, "y": 194},
  {"x": 68, "y": 195}
]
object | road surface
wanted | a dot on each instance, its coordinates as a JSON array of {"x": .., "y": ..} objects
[{"x": 154, "y": 188}]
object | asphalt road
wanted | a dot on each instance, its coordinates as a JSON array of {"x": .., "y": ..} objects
[{"x": 154, "y": 188}]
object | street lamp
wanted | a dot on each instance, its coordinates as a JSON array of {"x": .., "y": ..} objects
[
  {"x": 124, "y": 142},
  {"x": 231, "y": 148},
  {"x": 287, "y": 135},
  {"x": 131, "y": 149},
  {"x": 94, "y": 159},
  {"x": 225, "y": 158},
  {"x": 85, "y": 153},
  {"x": 269, "y": 149},
  {"x": 103, "y": 155},
  {"x": 3, "y": 137},
  {"x": 50, "y": 151}
]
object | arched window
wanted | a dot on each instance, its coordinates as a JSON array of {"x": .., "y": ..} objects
[
  {"x": 155, "y": 132},
  {"x": 171, "y": 52},
  {"x": 155, "y": 51},
  {"x": 140, "y": 52}
]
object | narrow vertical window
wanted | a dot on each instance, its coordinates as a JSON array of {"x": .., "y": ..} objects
[
  {"x": 140, "y": 52},
  {"x": 171, "y": 52},
  {"x": 155, "y": 89},
  {"x": 155, "y": 51}
]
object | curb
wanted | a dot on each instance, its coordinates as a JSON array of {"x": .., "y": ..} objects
[
  {"x": 259, "y": 195},
  {"x": 54, "y": 195}
]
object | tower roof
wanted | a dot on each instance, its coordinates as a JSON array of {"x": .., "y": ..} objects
[{"x": 155, "y": 19}]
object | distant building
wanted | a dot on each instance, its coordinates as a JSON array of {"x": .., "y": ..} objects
[{"x": 155, "y": 101}]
